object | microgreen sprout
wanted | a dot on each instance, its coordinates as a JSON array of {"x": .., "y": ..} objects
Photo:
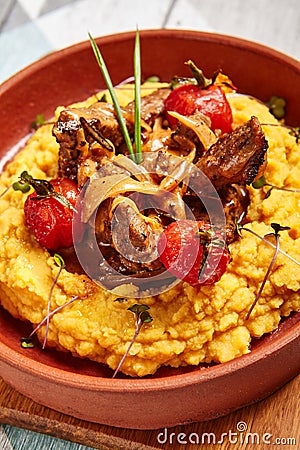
[
  {"x": 28, "y": 340},
  {"x": 277, "y": 228},
  {"x": 152, "y": 79},
  {"x": 5, "y": 191},
  {"x": 277, "y": 106},
  {"x": 103, "y": 98},
  {"x": 241, "y": 228},
  {"x": 261, "y": 182},
  {"x": 43, "y": 189},
  {"x": 61, "y": 264},
  {"x": 25, "y": 342},
  {"x": 38, "y": 122},
  {"x": 142, "y": 316}
]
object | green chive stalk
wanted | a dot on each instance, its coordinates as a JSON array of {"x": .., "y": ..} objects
[
  {"x": 137, "y": 98},
  {"x": 111, "y": 89}
]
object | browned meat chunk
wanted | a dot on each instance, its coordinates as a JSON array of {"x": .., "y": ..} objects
[
  {"x": 236, "y": 157},
  {"x": 83, "y": 133},
  {"x": 152, "y": 105},
  {"x": 77, "y": 129},
  {"x": 235, "y": 200}
]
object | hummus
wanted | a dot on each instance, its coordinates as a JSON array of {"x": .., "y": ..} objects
[{"x": 190, "y": 326}]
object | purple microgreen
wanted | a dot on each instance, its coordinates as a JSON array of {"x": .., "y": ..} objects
[
  {"x": 142, "y": 316},
  {"x": 61, "y": 264},
  {"x": 38, "y": 122},
  {"x": 241, "y": 228},
  {"x": 52, "y": 313},
  {"x": 261, "y": 182},
  {"x": 277, "y": 228},
  {"x": 5, "y": 191},
  {"x": 26, "y": 342}
]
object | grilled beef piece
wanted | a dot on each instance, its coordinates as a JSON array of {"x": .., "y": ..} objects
[
  {"x": 236, "y": 157},
  {"x": 152, "y": 106},
  {"x": 235, "y": 200},
  {"x": 77, "y": 129},
  {"x": 83, "y": 133}
]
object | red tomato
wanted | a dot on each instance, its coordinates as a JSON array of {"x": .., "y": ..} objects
[
  {"x": 48, "y": 219},
  {"x": 210, "y": 101},
  {"x": 184, "y": 256}
]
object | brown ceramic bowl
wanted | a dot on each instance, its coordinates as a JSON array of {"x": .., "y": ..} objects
[{"x": 172, "y": 396}]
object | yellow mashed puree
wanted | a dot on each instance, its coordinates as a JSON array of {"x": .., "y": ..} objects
[{"x": 189, "y": 326}]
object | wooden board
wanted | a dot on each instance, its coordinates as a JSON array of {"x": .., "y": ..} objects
[{"x": 276, "y": 417}]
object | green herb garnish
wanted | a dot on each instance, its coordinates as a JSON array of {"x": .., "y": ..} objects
[
  {"x": 142, "y": 316},
  {"x": 277, "y": 228},
  {"x": 113, "y": 95},
  {"x": 5, "y": 191},
  {"x": 27, "y": 343},
  {"x": 261, "y": 182},
  {"x": 103, "y": 99},
  {"x": 202, "y": 81},
  {"x": 61, "y": 264},
  {"x": 51, "y": 314},
  {"x": 39, "y": 121},
  {"x": 277, "y": 106},
  {"x": 43, "y": 189},
  {"x": 137, "y": 100},
  {"x": 152, "y": 79}
]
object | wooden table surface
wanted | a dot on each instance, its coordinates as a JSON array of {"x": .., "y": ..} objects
[{"x": 274, "y": 420}]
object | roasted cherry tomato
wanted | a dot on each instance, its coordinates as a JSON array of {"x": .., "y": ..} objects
[
  {"x": 210, "y": 101},
  {"x": 193, "y": 252},
  {"x": 48, "y": 219}
]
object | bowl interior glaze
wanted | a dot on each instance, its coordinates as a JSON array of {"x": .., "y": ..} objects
[{"x": 71, "y": 75}]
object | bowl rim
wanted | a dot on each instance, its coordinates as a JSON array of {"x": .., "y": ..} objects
[
  {"x": 94, "y": 383},
  {"x": 142, "y": 384},
  {"x": 209, "y": 36}
]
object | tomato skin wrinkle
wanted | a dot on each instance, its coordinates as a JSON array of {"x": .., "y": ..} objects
[
  {"x": 210, "y": 101},
  {"x": 49, "y": 220},
  {"x": 183, "y": 255}
]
